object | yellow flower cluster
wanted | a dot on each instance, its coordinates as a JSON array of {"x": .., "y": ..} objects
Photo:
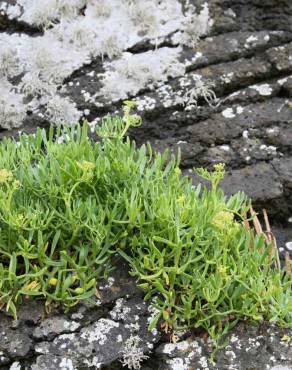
[
  {"x": 219, "y": 167},
  {"x": 223, "y": 219},
  {"x": 86, "y": 166},
  {"x": 181, "y": 199},
  {"x": 5, "y": 176}
]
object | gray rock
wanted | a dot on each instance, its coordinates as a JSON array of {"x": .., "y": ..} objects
[
  {"x": 259, "y": 182},
  {"x": 284, "y": 169},
  {"x": 51, "y": 362},
  {"x": 248, "y": 348},
  {"x": 51, "y": 327},
  {"x": 14, "y": 344}
]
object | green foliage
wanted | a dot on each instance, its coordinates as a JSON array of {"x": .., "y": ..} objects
[
  {"x": 205, "y": 268},
  {"x": 65, "y": 209},
  {"x": 116, "y": 128}
]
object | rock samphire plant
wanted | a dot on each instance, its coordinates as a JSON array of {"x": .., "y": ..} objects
[{"x": 67, "y": 208}]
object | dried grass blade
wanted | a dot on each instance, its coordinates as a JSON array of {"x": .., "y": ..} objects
[
  {"x": 288, "y": 263},
  {"x": 256, "y": 222}
]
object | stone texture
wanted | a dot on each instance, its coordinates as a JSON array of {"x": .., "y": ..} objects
[
  {"x": 284, "y": 170},
  {"x": 249, "y": 348},
  {"x": 259, "y": 182},
  {"x": 14, "y": 344},
  {"x": 51, "y": 327}
]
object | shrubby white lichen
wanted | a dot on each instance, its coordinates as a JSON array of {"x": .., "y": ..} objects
[
  {"x": 8, "y": 62},
  {"x": 46, "y": 13},
  {"x": 33, "y": 85},
  {"x": 201, "y": 89},
  {"x": 196, "y": 25},
  {"x": 143, "y": 14},
  {"x": 62, "y": 111},
  {"x": 120, "y": 311},
  {"x": 73, "y": 38},
  {"x": 132, "y": 353},
  {"x": 12, "y": 109},
  {"x": 15, "y": 366},
  {"x": 66, "y": 364},
  {"x": 133, "y": 72},
  {"x": 41, "y": 14},
  {"x": 100, "y": 8}
]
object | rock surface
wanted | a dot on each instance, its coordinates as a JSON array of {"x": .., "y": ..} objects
[
  {"x": 111, "y": 332},
  {"x": 246, "y": 60}
]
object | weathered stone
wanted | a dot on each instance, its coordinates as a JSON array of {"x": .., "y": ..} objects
[
  {"x": 14, "y": 344},
  {"x": 53, "y": 326},
  {"x": 30, "y": 312},
  {"x": 284, "y": 170},
  {"x": 260, "y": 182},
  {"x": 188, "y": 151},
  {"x": 104, "y": 341},
  {"x": 118, "y": 285},
  {"x": 248, "y": 348},
  {"x": 256, "y": 15},
  {"x": 233, "y": 121},
  {"x": 286, "y": 84},
  {"x": 51, "y": 362}
]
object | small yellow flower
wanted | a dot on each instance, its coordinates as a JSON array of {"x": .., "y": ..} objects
[
  {"x": 223, "y": 219},
  {"x": 20, "y": 217},
  {"x": 19, "y": 220},
  {"x": 85, "y": 165},
  {"x": 286, "y": 338},
  {"x": 181, "y": 199},
  {"x": 53, "y": 281},
  {"x": 129, "y": 104},
  {"x": 5, "y": 176},
  {"x": 222, "y": 270},
  {"x": 219, "y": 167}
]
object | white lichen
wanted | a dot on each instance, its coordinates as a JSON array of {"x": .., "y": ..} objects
[
  {"x": 72, "y": 39},
  {"x": 41, "y": 14},
  {"x": 195, "y": 26},
  {"x": 66, "y": 364},
  {"x": 99, "y": 331},
  {"x": 263, "y": 89},
  {"x": 250, "y": 41},
  {"x": 201, "y": 89},
  {"x": 15, "y": 366},
  {"x": 61, "y": 111},
  {"x": 177, "y": 363},
  {"x": 132, "y": 354},
  {"x": 132, "y": 72},
  {"x": 46, "y": 13},
  {"x": 9, "y": 64},
  {"x": 228, "y": 113},
  {"x": 33, "y": 85},
  {"x": 12, "y": 108},
  {"x": 100, "y": 8},
  {"x": 120, "y": 311}
]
